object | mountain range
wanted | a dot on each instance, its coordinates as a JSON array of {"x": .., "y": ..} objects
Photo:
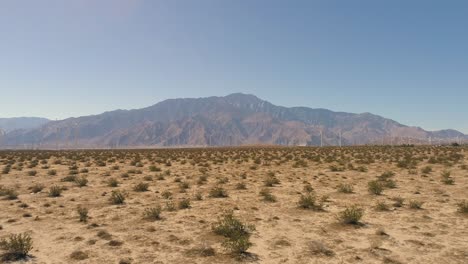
[{"x": 236, "y": 119}]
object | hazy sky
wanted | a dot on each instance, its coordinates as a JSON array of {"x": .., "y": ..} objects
[{"x": 405, "y": 60}]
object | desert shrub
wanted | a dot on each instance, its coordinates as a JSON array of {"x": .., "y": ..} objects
[
  {"x": 463, "y": 207},
  {"x": 153, "y": 213},
  {"x": 308, "y": 188},
  {"x": 375, "y": 187},
  {"x": 382, "y": 206},
  {"x": 414, "y": 204},
  {"x": 141, "y": 187},
  {"x": 166, "y": 194},
  {"x": 153, "y": 168},
  {"x": 10, "y": 194},
  {"x": 184, "y": 204},
  {"x": 148, "y": 178},
  {"x": 55, "y": 191},
  {"x": 16, "y": 246},
  {"x": 267, "y": 195},
  {"x": 81, "y": 181},
  {"x": 52, "y": 172},
  {"x": 241, "y": 186},
  {"x": 447, "y": 179},
  {"x": 237, "y": 234},
  {"x": 345, "y": 188},
  {"x": 398, "y": 201},
  {"x": 223, "y": 180},
  {"x": 202, "y": 179},
  {"x": 426, "y": 170},
  {"x": 351, "y": 215},
  {"x": 318, "y": 248},
  {"x": 36, "y": 188},
  {"x": 69, "y": 178},
  {"x": 218, "y": 192},
  {"x": 78, "y": 255},
  {"x": 170, "y": 206},
  {"x": 83, "y": 214},
  {"x": 32, "y": 173},
  {"x": 117, "y": 197},
  {"x": 113, "y": 182},
  {"x": 198, "y": 196},
  {"x": 309, "y": 201},
  {"x": 183, "y": 185},
  {"x": 271, "y": 180}
]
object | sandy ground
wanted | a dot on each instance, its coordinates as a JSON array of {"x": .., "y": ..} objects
[{"x": 437, "y": 233}]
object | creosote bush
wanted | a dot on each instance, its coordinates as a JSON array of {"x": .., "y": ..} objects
[
  {"x": 218, "y": 192},
  {"x": 117, "y": 197},
  {"x": 463, "y": 207},
  {"x": 309, "y": 201},
  {"x": 351, "y": 215},
  {"x": 345, "y": 188},
  {"x": 375, "y": 187},
  {"x": 237, "y": 234},
  {"x": 83, "y": 214},
  {"x": 55, "y": 191},
  {"x": 16, "y": 246},
  {"x": 153, "y": 213}
]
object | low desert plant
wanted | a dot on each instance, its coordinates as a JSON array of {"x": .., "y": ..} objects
[
  {"x": 153, "y": 213},
  {"x": 55, "y": 191},
  {"x": 463, "y": 207},
  {"x": 141, "y": 187},
  {"x": 16, "y": 246},
  {"x": 81, "y": 181},
  {"x": 83, "y": 214},
  {"x": 351, "y": 215},
  {"x": 345, "y": 188},
  {"x": 375, "y": 187},
  {"x": 267, "y": 195},
  {"x": 309, "y": 201},
  {"x": 218, "y": 192},
  {"x": 184, "y": 204},
  {"x": 414, "y": 204},
  {"x": 237, "y": 234},
  {"x": 382, "y": 206},
  {"x": 113, "y": 182},
  {"x": 117, "y": 197}
]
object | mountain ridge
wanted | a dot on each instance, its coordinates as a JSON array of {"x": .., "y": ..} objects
[{"x": 235, "y": 119}]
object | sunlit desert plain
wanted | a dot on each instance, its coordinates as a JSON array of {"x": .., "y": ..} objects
[{"x": 232, "y": 205}]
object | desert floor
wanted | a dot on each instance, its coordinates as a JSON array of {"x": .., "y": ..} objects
[{"x": 284, "y": 232}]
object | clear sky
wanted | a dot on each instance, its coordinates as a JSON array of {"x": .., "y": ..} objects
[{"x": 402, "y": 59}]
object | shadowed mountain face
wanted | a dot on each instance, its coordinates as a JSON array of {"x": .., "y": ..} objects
[{"x": 236, "y": 119}]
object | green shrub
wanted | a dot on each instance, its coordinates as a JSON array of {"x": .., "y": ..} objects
[
  {"x": 141, "y": 187},
  {"x": 463, "y": 207},
  {"x": 113, "y": 182},
  {"x": 351, "y": 215},
  {"x": 218, "y": 192},
  {"x": 17, "y": 246},
  {"x": 375, "y": 187},
  {"x": 345, "y": 188},
  {"x": 83, "y": 214},
  {"x": 267, "y": 195},
  {"x": 117, "y": 197},
  {"x": 55, "y": 191},
  {"x": 184, "y": 204},
  {"x": 309, "y": 201},
  {"x": 237, "y": 234},
  {"x": 81, "y": 181},
  {"x": 413, "y": 204},
  {"x": 153, "y": 213}
]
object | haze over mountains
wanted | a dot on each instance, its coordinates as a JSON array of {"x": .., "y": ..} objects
[{"x": 236, "y": 119}]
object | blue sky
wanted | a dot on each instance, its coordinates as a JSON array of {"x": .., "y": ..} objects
[{"x": 405, "y": 60}]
